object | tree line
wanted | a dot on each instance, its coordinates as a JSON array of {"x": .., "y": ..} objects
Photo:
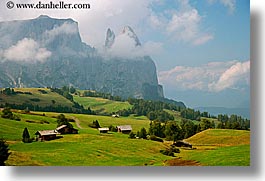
[
  {"x": 154, "y": 110},
  {"x": 64, "y": 91},
  {"x": 49, "y": 108},
  {"x": 192, "y": 114},
  {"x": 233, "y": 122},
  {"x": 101, "y": 94},
  {"x": 173, "y": 131}
]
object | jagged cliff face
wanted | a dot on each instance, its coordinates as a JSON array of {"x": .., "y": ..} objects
[{"x": 47, "y": 52}]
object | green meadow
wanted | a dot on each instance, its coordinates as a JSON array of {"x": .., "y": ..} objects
[
  {"x": 222, "y": 147},
  {"x": 102, "y": 106},
  {"x": 43, "y": 96},
  {"x": 212, "y": 147},
  {"x": 89, "y": 147}
]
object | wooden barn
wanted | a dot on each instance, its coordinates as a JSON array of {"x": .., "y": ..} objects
[
  {"x": 103, "y": 130},
  {"x": 64, "y": 129},
  {"x": 182, "y": 144},
  {"x": 46, "y": 135},
  {"x": 126, "y": 129}
]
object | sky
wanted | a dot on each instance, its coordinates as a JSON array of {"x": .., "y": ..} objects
[{"x": 201, "y": 48}]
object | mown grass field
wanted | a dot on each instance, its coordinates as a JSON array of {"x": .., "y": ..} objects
[
  {"x": 44, "y": 99},
  {"x": 105, "y": 121},
  {"x": 102, "y": 106},
  {"x": 216, "y": 147},
  {"x": 213, "y": 147},
  {"x": 89, "y": 147}
]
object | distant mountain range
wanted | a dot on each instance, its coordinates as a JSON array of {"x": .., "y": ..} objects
[
  {"x": 244, "y": 112},
  {"x": 49, "y": 52}
]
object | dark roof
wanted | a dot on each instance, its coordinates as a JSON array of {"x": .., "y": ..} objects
[{"x": 47, "y": 132}]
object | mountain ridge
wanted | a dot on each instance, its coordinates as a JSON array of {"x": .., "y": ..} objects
[{"x": 58, "y": 57}]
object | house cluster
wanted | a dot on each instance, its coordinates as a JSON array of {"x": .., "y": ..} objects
[
  {"x": 46, "y": 135},
  {"x": 126, "y": 129}
]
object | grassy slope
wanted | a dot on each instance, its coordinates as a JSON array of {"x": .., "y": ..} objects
[
  {"x": 87, "y": 148},
  {"x": 219, "y": 148},
  {"x": 12, "y": 130},
  {"x": 102, "y": 105},
  {"x": 45, "y": 99},
  {"x": 105, "y": 121}
]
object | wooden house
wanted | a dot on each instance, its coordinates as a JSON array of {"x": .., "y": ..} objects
[
  {"x": 46, "y": 135},
  {"x": 64, "y": 129},
  {"x": 126, "y": 129},
  {"x": 103, "y": 130}
]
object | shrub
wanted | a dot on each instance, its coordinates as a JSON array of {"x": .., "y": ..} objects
[
  {"x": 7, "y": 114},
  {"x": 94, "y": 124},
  {"x": 167, "y": 152},
  {"x": 154, "y": 138},
  {"x": 62, "y": 120},
  {"x": 113, "y": 128},
  {"x": 35, "y": 100},
  {"x": 4, "y": 152},
  {"x": 132, "y": 135},
  {"x": 174, "y": 149},
  {"x": 170, "y": 151},
  {"x": 142, "y": 133}
]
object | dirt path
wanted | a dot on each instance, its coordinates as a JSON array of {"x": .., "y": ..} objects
[
  {"x": 77, "y": 122},
  {"x": 180, "y": 162}
]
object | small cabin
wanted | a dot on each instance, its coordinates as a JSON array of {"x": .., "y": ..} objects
[
  {"x": 115, "y": 116},
  {"x": 103, "y": 130},
  {"x": 64, "y": 129},
  {"x": 46, "y": 135},
  {"x": 182, "y": 144},
  {"x": 126, "y": 129}
]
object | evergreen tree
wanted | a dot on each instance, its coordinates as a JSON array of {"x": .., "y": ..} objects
[
  {"x": 62, "y": 120},
  {"x": 95, "y": 124},
  {"x": 131, "y": 135},
  {"x": 26, "y": 136},
  {"x": 4, "y": 152},
  {"x": 138, "y": 134},
  {"x": 143, "y": 133}
]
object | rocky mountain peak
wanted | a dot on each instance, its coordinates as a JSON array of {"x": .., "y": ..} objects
[
  {"x": 49, "y": 52},
  {"x": 43, "y": 16},
  {"x": 110, "y": 38},
  {"x": 127, "y": 30}
]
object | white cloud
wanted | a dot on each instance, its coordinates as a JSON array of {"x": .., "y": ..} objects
[
  {"x": 237, "y": 73},
  {"x": 124, "y": 47},
  {"x": 229, "y": 4},
  {"x": 65, "y": 28},
  {"x": 103, "y": 14},
  {"x": 26, "y": 50},
  {"x": 184, "y": 24},
  {"x": 213, "y": 77},
  {"x": 203, "y": 39},
  {"x": 93, "y": 22}
]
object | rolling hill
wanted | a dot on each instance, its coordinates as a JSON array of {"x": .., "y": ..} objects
[
  {"x": 212, "y": 147},
  {"x": 102, "y": 106},
  {"x": 88, "y": 148},
  {"x": 215, "y": 147},
  {"x": 37, "y": 96}
]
